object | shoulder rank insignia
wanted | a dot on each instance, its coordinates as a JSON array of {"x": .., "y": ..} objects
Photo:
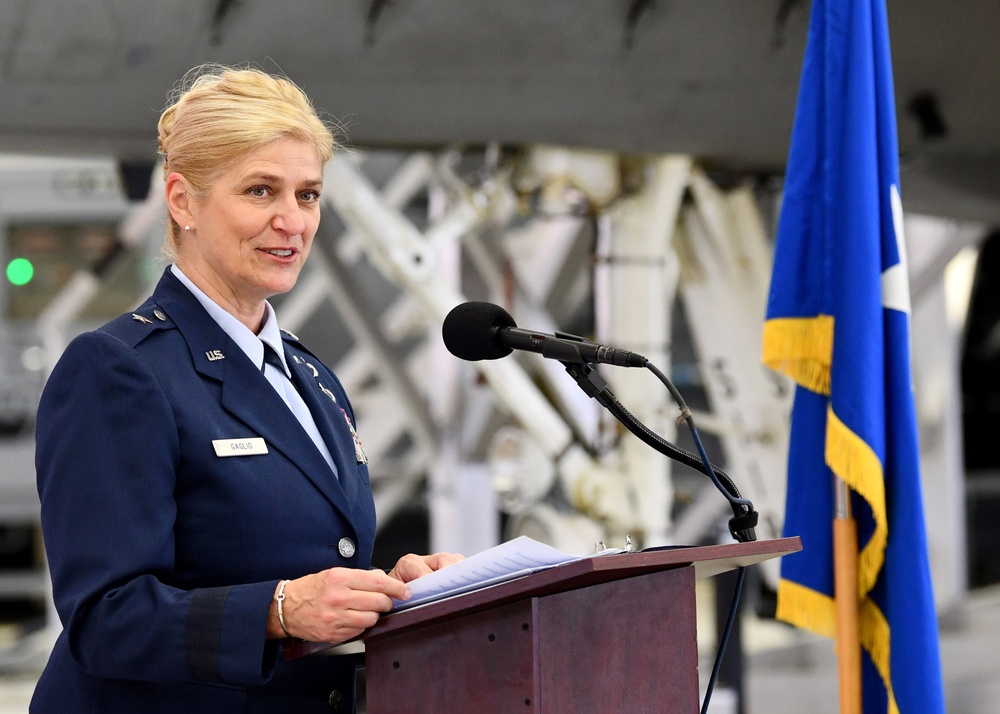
[{"x": 139, "y": 318}]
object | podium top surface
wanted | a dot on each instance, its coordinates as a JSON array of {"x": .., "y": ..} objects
[{"x": 708, "y": 561}]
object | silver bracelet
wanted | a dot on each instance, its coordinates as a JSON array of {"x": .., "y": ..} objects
[{"x": 280, "y": 597}]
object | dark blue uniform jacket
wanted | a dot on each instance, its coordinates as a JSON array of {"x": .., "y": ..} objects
[{"x": 165, "y": 556}]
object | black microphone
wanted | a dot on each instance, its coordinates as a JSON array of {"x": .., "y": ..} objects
[{"x": 481, "y": 330}]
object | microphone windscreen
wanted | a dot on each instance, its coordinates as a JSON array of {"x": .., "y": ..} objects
[{"x": 469, "y": 331}]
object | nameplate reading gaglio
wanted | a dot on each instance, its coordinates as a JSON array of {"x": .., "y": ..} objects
[{"x": 239, "y": 447}]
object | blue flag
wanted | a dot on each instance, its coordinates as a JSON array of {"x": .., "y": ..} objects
[{"x": 838, "y": 324}]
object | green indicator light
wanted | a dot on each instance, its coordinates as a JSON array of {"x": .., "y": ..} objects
[{"x": 20, "y": 271}]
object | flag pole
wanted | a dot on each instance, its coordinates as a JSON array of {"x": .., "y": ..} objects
[{"x": 845, "y": 549}]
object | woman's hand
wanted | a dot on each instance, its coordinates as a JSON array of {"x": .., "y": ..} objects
[
  {"x": 335, "y": 605},
  {"x": 410, "y": 567}
]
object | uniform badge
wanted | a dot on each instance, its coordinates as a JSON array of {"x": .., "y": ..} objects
[
  {"x": 139, "y": 318},
  {"x": 359, "y": 451}
]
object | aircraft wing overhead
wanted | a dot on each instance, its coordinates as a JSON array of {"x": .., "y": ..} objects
[{"x": 712, "y": 78}]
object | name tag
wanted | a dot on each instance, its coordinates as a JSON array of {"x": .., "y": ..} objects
[{"x": 239, "y": 447}]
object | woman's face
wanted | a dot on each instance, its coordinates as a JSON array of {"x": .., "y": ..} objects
[{"x": 251, "y": 234}]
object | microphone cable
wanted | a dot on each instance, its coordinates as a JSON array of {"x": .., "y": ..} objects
[
  {"x": 744, "y": 519},
  {"x": 744, "y": 516},
  {"x": 724, "y": 637}
]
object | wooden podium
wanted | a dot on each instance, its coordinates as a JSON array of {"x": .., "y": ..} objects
[{"x": 610, "y": 634}]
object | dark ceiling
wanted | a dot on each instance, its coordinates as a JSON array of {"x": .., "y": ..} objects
[{"x": 713, "y": 78}]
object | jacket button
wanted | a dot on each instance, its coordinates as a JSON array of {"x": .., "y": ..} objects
[
  {"x": 346, "y": 547},
  {"x": 336, "y": 700}
]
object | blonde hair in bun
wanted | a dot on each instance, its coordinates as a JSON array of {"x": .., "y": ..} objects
[{"x": 217, "y": 114}]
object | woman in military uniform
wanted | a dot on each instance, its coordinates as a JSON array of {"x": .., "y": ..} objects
[{"x": 205, "y": 496}]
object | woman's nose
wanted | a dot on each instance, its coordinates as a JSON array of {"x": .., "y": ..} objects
[{"x": 289, "y": 217}]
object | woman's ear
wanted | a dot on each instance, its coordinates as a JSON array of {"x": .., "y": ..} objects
[{"x": 179, "y": 199}]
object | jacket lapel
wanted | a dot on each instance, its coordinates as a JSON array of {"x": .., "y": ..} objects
[{"x": 331, "y": 421}]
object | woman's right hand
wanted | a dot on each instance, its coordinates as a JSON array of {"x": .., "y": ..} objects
[{"x": 334, "y": 605}]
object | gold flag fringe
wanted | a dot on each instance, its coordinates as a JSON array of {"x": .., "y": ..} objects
[
  {"x": 859, "y": 467},
  {"x": 874, "y": 636},
  {"x": 806, "y": 608},
  {"x": 801, "y": 348}
]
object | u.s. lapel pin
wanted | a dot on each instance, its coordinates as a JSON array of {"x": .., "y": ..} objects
[{"x": 214, "y": 355}]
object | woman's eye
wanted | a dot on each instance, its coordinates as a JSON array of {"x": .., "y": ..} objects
[
  {"x": 258, "y": 191},
  {"x": 310, "y": 196}
]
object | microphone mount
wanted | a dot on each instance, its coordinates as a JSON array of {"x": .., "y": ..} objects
[{"x": 564, "y": 347}]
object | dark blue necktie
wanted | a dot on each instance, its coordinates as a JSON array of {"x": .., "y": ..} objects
[{"x": 271, "y": 358}]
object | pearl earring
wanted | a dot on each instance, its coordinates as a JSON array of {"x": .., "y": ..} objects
[{"x": 187, "y": 229}]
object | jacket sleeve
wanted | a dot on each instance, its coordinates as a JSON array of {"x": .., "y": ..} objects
[{"x": 106, "y": 455}]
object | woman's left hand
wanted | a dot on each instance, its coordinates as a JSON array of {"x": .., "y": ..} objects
[{"x": 411, "y": 566}]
